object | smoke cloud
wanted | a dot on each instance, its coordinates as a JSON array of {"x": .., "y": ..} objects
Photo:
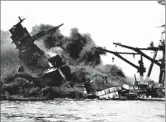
[
  {"x": 9, "y": 56},
  {"x": 78, "y": 49}
]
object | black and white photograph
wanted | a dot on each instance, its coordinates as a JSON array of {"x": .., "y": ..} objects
[{"x": 83, "y": 61}]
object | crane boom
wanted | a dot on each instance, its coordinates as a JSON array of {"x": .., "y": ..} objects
[
  {"x": 121, "y": 57},
  {"x": 140, "y": 52}
]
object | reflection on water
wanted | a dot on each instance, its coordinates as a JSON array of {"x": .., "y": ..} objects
[{"x": 62, "y": 110}]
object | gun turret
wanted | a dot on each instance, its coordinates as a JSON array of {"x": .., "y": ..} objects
[{"x": 43, "y": 33}]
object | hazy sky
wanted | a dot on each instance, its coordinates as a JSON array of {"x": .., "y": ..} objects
[{"x": 133, "y": 23}]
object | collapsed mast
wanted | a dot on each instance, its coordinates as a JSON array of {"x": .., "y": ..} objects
[
  {"x": 160, "y": 62},
  {"x": 139, "y": 51}
]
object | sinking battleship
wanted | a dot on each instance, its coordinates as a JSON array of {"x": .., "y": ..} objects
[
  {"x": 34, "y": 58},
  {"x": 59, "y": 73},
  {"x": 29, "y": 53}
]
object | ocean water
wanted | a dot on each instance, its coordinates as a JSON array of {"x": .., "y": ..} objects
[{"x": 67, "y": 110}]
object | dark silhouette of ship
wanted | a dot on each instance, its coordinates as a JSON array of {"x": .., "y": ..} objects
[{"x": 29, "y": 53}]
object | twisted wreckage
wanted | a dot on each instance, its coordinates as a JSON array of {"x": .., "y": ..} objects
[{"x": 55, "y": 72}]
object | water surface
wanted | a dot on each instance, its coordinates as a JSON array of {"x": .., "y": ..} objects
[{"x": 66, "y": 110}]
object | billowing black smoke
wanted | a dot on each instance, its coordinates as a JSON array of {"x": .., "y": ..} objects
[
  {"x": 77, "y": 48},
  {"x": 80, "y": 52}
]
